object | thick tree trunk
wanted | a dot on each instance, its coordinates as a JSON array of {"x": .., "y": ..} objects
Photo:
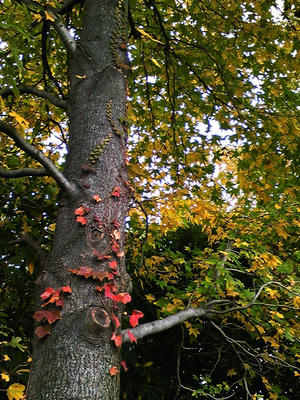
[{"x": 74, "y": 360}]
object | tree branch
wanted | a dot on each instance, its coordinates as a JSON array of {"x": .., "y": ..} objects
[
  {"x": 64, "y": 33},
  {"x": 163, "y": 324},
  {"x": 39, "y": 156},
  {"x": 37, "y": 92},
  {"x": 19, "y": 173}
]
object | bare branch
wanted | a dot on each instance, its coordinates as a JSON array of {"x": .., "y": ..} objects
[
  {"x": 150, "y": 328},
  {"x": 64, "y": 33},
  {"x": 39, "y": 156},
  {"x": 24, "y": 89},
  {"x": 20, "y": 173}
]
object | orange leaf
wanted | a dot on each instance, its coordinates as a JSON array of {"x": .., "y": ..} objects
[
  {"x": 82, "y": 220},
  {"x": 116, "y": 192},
  {"x": 114, "y": 370},
  {"x": 117, "y": 339},
  {"x": 97, "y": 198},
  {"x": 80, "y": 211},
  {"x": 66, "y": 289},
  {"x": 113, "y": 264},
  {"x": 47, "y": 293}
]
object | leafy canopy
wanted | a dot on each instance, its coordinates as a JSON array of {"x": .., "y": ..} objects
[{"x": 213, "y": 166}]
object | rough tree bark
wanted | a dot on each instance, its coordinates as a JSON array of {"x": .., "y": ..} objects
[{"x": 73, "y": 362}]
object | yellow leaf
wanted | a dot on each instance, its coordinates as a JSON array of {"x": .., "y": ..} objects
[
  {"x": 231, "y": 372},
  {"x": 148, "y": 364},
  {"x": 273, "y": 396},
  {"x": 49, "y": 16},
  {"x": 6, "y": 358},
  {"x": 296, "y": 373},
  {"x": 20, "y": 120},
  {"x": 37, "y": 17},
  {"x": 31, "y": 267},
  {"x": 148, "y": 36},
  {"x": 81, "y": 76},
  {"x": 15, "y": 391},
  {"x": 5, "y": 376},
  {"x": 155, "y": 62}
]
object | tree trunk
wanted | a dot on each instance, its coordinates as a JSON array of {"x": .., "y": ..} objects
[{"x": 74, "y": 360}]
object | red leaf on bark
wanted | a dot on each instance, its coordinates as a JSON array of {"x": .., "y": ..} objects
[
  {"x": 52, "y": 315},
  {"x": 131, "y": 336},
  {"x": 115, "y": 248},
  {"x": 122, "y": 298},
  {"x": 42, "y": 331},
  {"x": 82, "y": 220},
  {"x": 47, "y": 293},
  {"x": 114, "y": 370},
  {"x": 120, "y": 254},
  {"x": 123, "y": 363},
  {"x": 100, "y": 275},
  {"x": 80, "y": 211},
  {"x": 116, "y": 192},
  {"x": 116, "y": 320},
  {"x": 100, "y": 256},
  {"x": 39, "y": 315},
  {"x": 134, "y": 317},
  {"x": 113, "y": 264},
  {"x": 97, "y": 198},
  {"x": 66, "y": 289},
  {"x": 83, "y": 271},
  {"x": 117, "y": 339}
]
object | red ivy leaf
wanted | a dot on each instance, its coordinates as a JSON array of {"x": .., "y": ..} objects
[
  {"x": 134, "y": 317},
  {"x": 100, "y": 275},
  {"x": 47, "y": 293},
  {"x": 116, "y": 192},
  {"x": 66, "y": 289},
  {"x": 113, "y": 264},
  {"x": 131, "y": 336},
  {"x": 83, "y": 271},
  {"x": 117, "y": 339},
  {"x": 52, "y": 315},
  {"x": 122, "y": 298},
  {"x": 114, "y": 370},
  {"x": 115, "y": 248},
  {"x": 80, "y": 211},
  {"x": 39, "y": 315},
  {"x": 100, "y": 256},
  {"x": 123, "y": 363},
  {"x": 42, "y": 331},
  {"x": 116, "y": 320},
  {"x": 97, "y": 198},
  {"x": 82, "y": 220}
]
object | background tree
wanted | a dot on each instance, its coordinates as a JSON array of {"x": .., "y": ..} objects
[{"x": 210, "y": 94}]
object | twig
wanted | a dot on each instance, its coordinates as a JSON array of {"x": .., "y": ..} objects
[
  {"x": 70, "y": 188},
  {"x": 25, "y": 89},
  {"x": 20, "y": 173}
]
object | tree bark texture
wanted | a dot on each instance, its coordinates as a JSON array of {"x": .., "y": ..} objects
[{"x": 73, "y": 361}]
